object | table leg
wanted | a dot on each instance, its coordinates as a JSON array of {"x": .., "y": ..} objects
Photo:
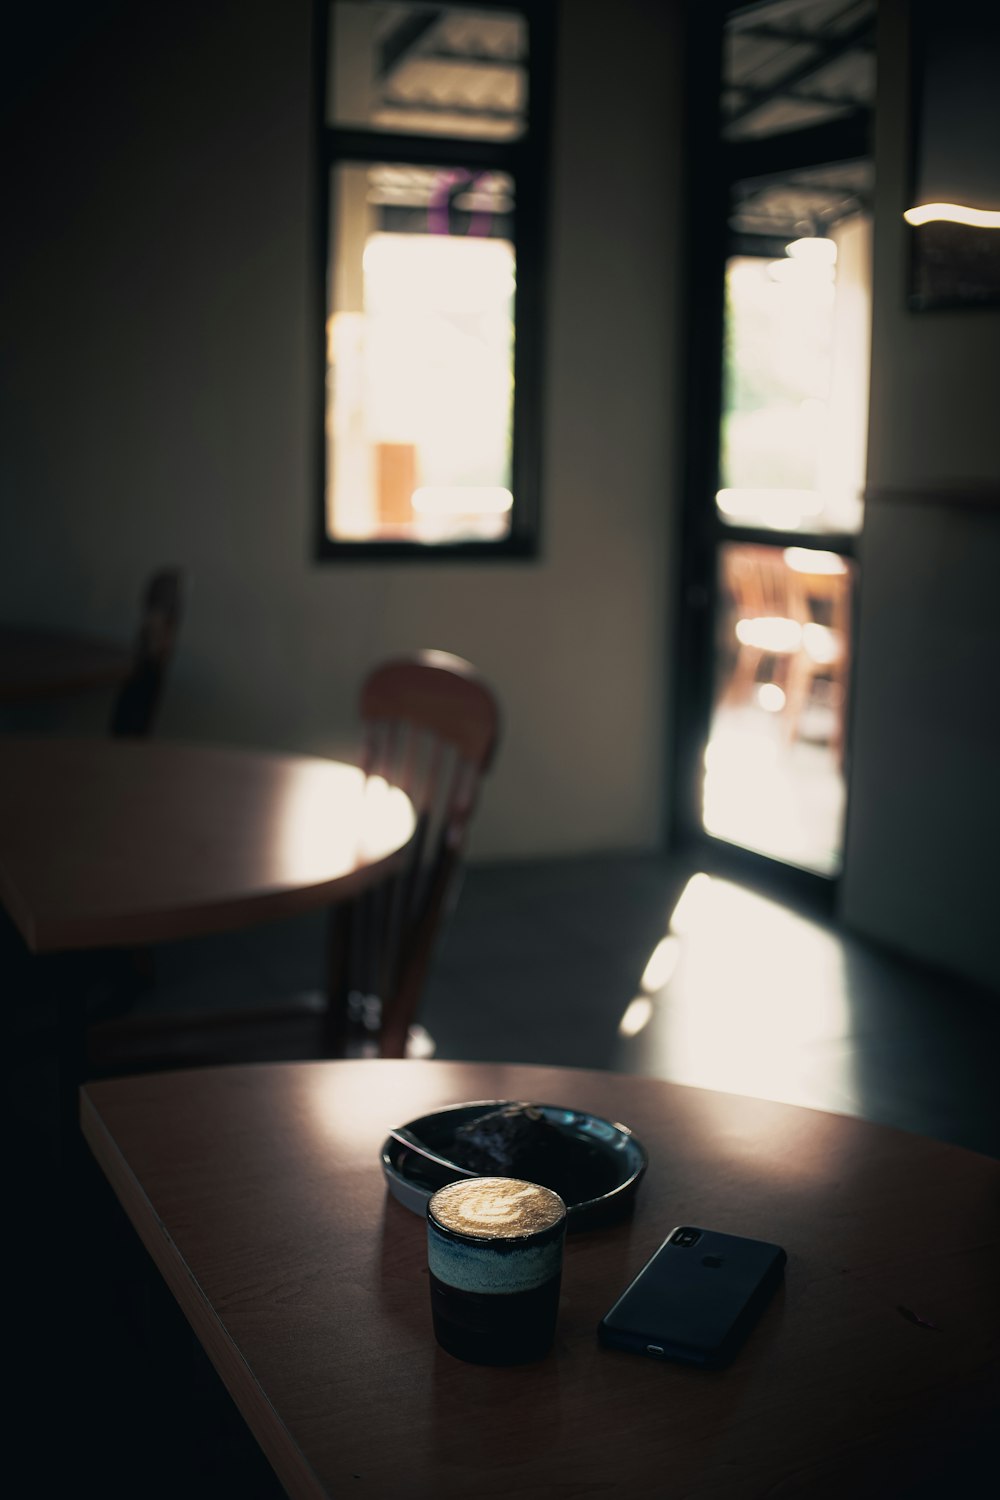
[{"x": 48, "y": 1252}]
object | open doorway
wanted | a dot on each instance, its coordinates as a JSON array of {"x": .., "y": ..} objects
[{"x": 774, "y": 503}]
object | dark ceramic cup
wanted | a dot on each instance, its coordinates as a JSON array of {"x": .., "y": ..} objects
[{"x": 494, "y": 1251}]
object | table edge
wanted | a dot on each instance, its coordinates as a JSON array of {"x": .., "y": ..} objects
[
  {"x": 200, "y": 919},
  {"x": 133, "y": 745},
  {"x": 102, "y": 1085},
  {"x": 203, "y": 919},
  {"x": 111, "y": 662},
  {"x": 279, "y": 1447}
]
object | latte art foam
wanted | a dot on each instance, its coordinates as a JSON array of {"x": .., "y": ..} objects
[{"x": 496, "y": 1208}]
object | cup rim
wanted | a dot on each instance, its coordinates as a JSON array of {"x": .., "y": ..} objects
[{"x": 488, "y": 1240}]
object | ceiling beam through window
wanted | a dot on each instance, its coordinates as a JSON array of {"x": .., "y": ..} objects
[
  {"x": 845, "y": 139},
  {"x": 403, "y": 38},
  {"x": 830, "y": 48}
]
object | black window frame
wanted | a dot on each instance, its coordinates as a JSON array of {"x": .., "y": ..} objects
[{"x": 527, "y": 160}]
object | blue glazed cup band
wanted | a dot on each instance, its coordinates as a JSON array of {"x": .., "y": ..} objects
[{"x": 503, "y": 1262}]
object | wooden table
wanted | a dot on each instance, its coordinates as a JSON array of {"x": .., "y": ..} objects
[
  {"x": 37, "y": 663},
  {"x": 257, "y": 1192},
  {"x": 119, "y": 843},
  {"x": 112, "y": 843}
]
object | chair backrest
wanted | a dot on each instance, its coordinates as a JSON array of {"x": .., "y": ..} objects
[
  {"x": 138, "y": 700},
  {"x": 761, "y": 585},
  {"x": 431, "y": 726}
]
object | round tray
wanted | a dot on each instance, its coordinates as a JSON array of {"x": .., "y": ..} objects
[{"x": 404, "y": 1169}]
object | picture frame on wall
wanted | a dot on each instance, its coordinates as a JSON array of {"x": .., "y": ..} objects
[{"x": 954, "y": 192}]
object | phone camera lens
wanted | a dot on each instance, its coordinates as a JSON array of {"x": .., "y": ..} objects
[{"x": 685, "y": 1237}]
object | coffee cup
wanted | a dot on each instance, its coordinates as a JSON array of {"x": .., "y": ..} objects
[{"x": 495, "y": 1251}]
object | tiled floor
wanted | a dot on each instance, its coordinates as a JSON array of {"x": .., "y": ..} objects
[{"x": 545, "y": 962}]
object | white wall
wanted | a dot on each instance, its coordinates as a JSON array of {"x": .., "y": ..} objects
[
  {"x": 924, "y": 819},
  {"x": 157, "y": 363}
]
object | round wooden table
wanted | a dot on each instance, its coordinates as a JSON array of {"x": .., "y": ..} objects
[
  {"x": 258, "y": 1193},
  {"x": 119, "y": 843}
]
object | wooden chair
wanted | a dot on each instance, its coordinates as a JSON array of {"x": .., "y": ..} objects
[
  {"x": 132, "y": 716},
  {"x": 431, "y": 726},
  {"x": 773, "y": 619},
  {"x": 139, "y": 698},
  {"x": 826, "y": 652}
]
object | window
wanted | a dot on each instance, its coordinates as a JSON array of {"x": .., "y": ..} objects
[
  {"x": 434, "y": 142},
  {"x": 795, "y": 382}
]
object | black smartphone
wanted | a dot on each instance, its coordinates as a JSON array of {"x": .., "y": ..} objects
[{"x": 696, "y": 1299}]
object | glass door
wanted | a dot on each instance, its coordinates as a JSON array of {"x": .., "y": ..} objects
[{"x": 775, "y": 496}]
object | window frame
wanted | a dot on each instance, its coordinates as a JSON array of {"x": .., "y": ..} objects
[{"x": 526, "y": 159}]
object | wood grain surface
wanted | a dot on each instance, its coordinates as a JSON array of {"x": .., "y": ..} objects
[
  {"x": 258, "y": 1192},
  {"x": 108, "y": 843},
  {"x": 50, "y": 663}
]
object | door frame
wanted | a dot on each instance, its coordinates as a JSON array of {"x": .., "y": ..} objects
[{"x": 713, "y": 166}]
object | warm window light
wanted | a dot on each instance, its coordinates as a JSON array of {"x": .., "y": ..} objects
[
  {"x": 638, "y": 1014},
  {"x": 771, "y": 633},
  {"x": 953, "y": 213},
  {"x": 810, "y": 560},
  {"x": 461, "y": 500},
  {"x": 801, "y": 273},
  {"x": 784, "y": 509},
  {"x": 821, "y": 643},
  {"x": 662, "y": 963},
  {"x": 692, "y": 904},
  {"x": 814, "y": 249},
  {"x": 431, "y": 270},
  {"x": 771, "y": 697}
]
